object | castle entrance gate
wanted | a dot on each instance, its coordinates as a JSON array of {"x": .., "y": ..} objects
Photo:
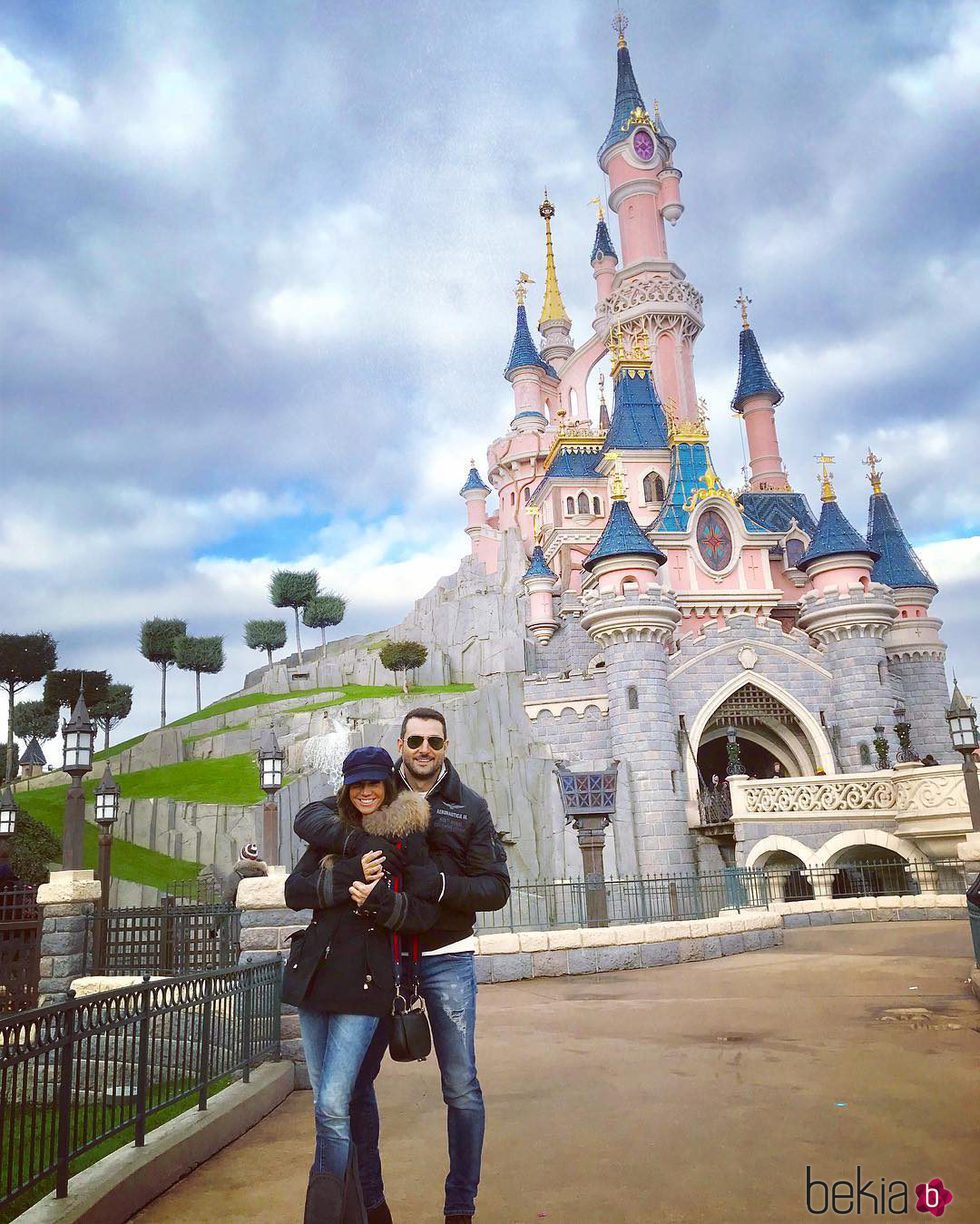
[{"x": 771, "y": 739}]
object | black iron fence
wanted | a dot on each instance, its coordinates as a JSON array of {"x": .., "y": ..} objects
[
  {"x": 78, "y": 1075},
  {"x": 179, "y": 936},
  {"x": 20, "y": 947},
  {"x": 682, "y": 896}
]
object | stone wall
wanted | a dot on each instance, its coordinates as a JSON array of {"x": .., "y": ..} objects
[{"x": 926, "y": 694}]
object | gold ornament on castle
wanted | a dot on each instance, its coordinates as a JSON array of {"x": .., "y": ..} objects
[
  {"x": 617, "y": 484},
  {"x": 874, "y": 475},
  {"x": 520, "y": 289},
  {"x": 619, "y": 23},
  {"x": 827, "y": 493},
  {"x": 635, "y": 360},
  {"x": 708, "y": 486},
  {"x": 638, "y": 117},
  {"x": 552, "y": 308},
  {"x": 744, "y": 302},
  {"x": 681, "y": 430},
  {"x": 598, "y": 203}
]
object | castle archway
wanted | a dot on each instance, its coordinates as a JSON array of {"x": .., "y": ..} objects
[{"x": 776, "y": 734}]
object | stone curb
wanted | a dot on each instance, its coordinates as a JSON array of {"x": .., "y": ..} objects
[{"x": 113, "y": 1189}]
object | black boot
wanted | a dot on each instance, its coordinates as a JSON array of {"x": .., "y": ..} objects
[
  {"x": 324, "y": 1200},
  {"x": 459, "y": 1219},
  {"x": 379, "y": 1214}
]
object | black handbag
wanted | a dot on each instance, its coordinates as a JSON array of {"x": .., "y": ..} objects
[{"x": 410, "y": 1039}]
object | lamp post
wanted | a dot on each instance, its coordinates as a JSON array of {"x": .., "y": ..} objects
[
  {"x": 79, "y": 742},
  {"x": 962, "y": 719},
  {"x": 9, "y": 811},
  {"x": 881, "y": 746},
  {"x": 903, "y": 733},
  {"x": 271, "y": 761},
  {"x": 106, "y": 815},
  {"x": 588, "y": 800},
  {"x": 735, "y": 766}
]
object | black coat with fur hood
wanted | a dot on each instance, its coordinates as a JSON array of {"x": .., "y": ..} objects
[{"x": 343, "y": 961}]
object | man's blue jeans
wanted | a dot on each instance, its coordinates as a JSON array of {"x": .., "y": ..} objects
[
  {"x": 334, "y": 1045},
  {"x": 448, "y": 986}
]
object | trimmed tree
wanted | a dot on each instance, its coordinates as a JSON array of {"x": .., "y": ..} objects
[
  {"x": 32, "y": 847},
  {"x": 294, "y": 589},
  {"x": 61, "y": 688},
  {"x": 24, "y": 660},
  {"x": 157, "y": 638},
  {"x": 201, "y": 655},
  {"x": 323, "y": 612},
  {"x": 267, "y": 635},
  {"x": 35, "y": 720},
  {"x": 402, "y": 657},
  {"x": 112, "y": 709}
]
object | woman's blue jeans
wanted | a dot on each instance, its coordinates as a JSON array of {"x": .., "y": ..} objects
[{"x": 335, "y": 1046}]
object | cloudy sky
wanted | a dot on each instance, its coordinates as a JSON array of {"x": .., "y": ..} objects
[{"x": 256, "y": 264}]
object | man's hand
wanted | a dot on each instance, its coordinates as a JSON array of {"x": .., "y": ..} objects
[
  {"x": 360, "y": 892},
  {"x": 424, "y": 881},
  {"x": 372, "y": 865}
]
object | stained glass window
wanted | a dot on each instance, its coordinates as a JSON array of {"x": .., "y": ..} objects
[{"x": 714, "y": 540}]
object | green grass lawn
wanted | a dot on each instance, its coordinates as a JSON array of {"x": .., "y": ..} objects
[
  {"x": 245, "y": 700},
  {"x": 203, "y": 735}
]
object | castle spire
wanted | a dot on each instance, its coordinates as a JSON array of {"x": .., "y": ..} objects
[
  {"x": 552, "y": 308},
  {"x": 755, "y": 399},
  {"x": 629, "y": 100},
  {"x": 897, "y": 564},
  {"x": 835, "y": 536},
  {"x": 603, "y": 408},
  {"x": 523, "y": 351}
]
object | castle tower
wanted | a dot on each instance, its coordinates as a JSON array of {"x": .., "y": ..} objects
[
  {"x": 649, "y": 293},
  {"x": 632, "y": 619},
  {"x": 755, "y": 399},
  {"x": 539, "y": 583},
  {"x": 554, "y": 323},
  {"x": 482, "y": 540},
  {"x": 849, "y": 616},
  {"x": 916, "y": 656},
  {"x": 604, "y": 257}
]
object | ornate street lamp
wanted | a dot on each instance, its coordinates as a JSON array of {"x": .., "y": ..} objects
[
  {"x": 962, "y": 719},
  {"x": 106, "y": 815},
  {"x": 588, "y": 800},
  {"x": 735, "y": 766},
  {"x": 79, "y": 744},
  {"x": 9, "y": 811},
  {"x": 881, "y": 746},
  {"x": 903, "y": 733},
  {"x": 271, "y": 762}
]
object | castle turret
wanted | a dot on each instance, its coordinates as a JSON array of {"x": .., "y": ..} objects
[
  {"x": 554, "y": 323},
  {"x": 638, "y": 161},
  {"x": 539, "y": 583},
  {"x": 916, "y": 655},
  {"x": 632, "y": 618},
  {"x": 756, "y": 397},
  {"x": 526, "y": 368},
  {"x": 604, "y": 257},
  {"x": 475, "y": 493},
  {"x": 849, "y": 617}
]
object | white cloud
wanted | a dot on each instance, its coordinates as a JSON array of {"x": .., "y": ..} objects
[{"x": 46, "y": 112}]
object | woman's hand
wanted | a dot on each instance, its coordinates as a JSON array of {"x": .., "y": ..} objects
[
  {"x": 360, "y": 892},
  {"x": 372, "y": 865}
]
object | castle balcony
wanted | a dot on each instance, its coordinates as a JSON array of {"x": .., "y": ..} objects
[
  {"x": 923, "y": 810},
  {"x": 659, "y": 301}
]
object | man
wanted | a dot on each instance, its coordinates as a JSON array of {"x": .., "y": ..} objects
[{"x": 467, "y": 874}]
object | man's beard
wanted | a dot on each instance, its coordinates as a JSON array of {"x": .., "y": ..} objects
[{"x": 430, "y": 768}]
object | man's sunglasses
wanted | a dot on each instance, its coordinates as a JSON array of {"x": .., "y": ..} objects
[{"x": 435, "y": 742}]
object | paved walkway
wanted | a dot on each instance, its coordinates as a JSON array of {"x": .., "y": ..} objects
[{"x": 691, "y": 1093}]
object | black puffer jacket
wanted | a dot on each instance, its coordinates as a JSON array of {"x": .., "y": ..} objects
[
  {"x": 464, "y": 848},
  {"x": 343, "y": 962}
]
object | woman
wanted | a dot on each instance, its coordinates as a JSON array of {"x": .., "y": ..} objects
[{"x": 340, "y": 972}]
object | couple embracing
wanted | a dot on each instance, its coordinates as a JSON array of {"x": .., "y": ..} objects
[{"x": 399, "y": 864}]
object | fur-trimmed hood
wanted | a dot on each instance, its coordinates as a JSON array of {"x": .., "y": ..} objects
[{"x": 407, "y": 813}]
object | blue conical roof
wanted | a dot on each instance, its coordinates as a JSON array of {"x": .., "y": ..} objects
[
  {"x": 834, "y": 537},
  {"x": 897, "y": 564},
  {"x": 638, "y": 421},
  {"x": 524, "y": 352},
  {"x": 473, "y": 481},
  {"x": 603, "y": 243},
  {"x": 753, "y": 376},
  {"x": 539, "y": 568},
  {"x": 622, "y": 537},
  {"x": 33, "y": 754},
  {"x": 627, "y": 100}
]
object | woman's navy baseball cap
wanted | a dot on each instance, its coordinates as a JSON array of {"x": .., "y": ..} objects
[{"x": 367, "y": 765}]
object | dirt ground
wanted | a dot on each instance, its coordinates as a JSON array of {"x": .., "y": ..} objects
[{"x": 690, "y": 1093}]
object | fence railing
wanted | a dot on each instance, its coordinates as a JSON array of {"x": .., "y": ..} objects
[
  {"x": 20, "y": 947},
  {"x": 682, "y": 896},
  {"x": 77, "y": 1074},
  {"x": 173, "y": 938}
]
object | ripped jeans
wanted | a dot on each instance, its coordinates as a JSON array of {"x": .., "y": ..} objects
[{"x": 448, "y": 985}]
